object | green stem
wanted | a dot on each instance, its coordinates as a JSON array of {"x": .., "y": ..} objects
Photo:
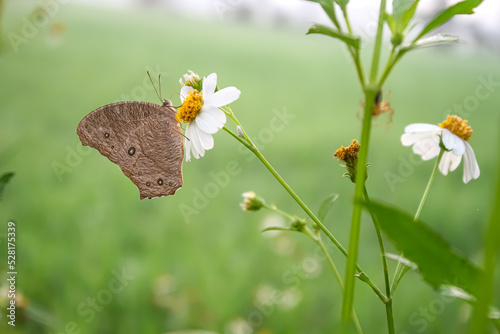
[
  {"x": 319, "y": 242},
  {"x": 347, "y": 22},
  {"x": 347, "y": 303},
  {"x": 391, "y": 61},
  {"x": 402, "y": 269},
  {"x": 235, "y": 136},
  {"x": 428, "y": 188},
  {"x": 378, "y": 43},
  {"x": 278, "y": 211},
  {"x": 359, "y": 67},
  {"x": 388, "y": 304},
  {"x": 251, "y": 146},
  {"x": 370, "y": 93},
  {"x": 355, "y": 54}
]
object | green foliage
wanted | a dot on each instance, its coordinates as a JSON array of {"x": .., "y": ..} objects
[
  {"x": 4, "y": 179},
  {"x": 431, "y": 41},
  {"x": 328, "y": 31},
  {"x": 326, "y": 205},
  {"x": 464, "y": 7},
  {"x": 438, "y": 263},
  {"x": 342, "y": 4},
  {"x": 329, "y": 9},
  {"x": 402, "y": 13}
]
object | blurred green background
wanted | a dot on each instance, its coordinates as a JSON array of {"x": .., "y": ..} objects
[{"x": 93, "y": 258}]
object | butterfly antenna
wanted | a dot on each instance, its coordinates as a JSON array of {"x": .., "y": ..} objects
[
  {"x": 149, "y": 75},
  {"x": 159, "y": 86}
]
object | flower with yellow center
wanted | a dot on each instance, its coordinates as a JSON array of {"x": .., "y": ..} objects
[
  {"x": 202, "y": 114},
  {"x": 453, "y": 135}
]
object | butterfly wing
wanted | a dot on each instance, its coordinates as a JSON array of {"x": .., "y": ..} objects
[{"x": 144, "y": 139}]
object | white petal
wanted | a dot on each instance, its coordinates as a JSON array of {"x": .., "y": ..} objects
[
  {"x": 453, "y": 142},
  {"x": 187, "y": 148},
  {"x": 422, "y": 127},
  {"x": 427, "y": 147},
  {"x": 190, "y": 133},
  {"x": 184, "y": 92},
  {"x": 210, "y": 119},
  {"x": 411, "y": 138},
  {"x": 432, "y": 152},
  {"x": 223, "y": 97},
  {"x": 209, "y": 85},
  {"x": 196, "y": 142},
  {"x": 471, "y": 168},
  {"x": 215, "y": 114},
  {"x": 455, "y": 161},
  {"x": 449, "y": 162},
  {"x": 206, "y": 140}
]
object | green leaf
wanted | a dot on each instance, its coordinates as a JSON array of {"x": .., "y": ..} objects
[
  {"x": 401, "y": 259},
  {"x": 328, "y": 31},
  {"x": 342, "y": 4},
  {"x": 391, "y": 22},
  {"x": 408, "y": 15},
  {"x": 400, "y": 7},
  {"x": 4, "y": 179},
  {"x": 463, "y": 7},
  {"x": 438, "y": 263},
  {"x": 329, "y": 9},
  {"x": 431, "y": 41},
  {"x": 326, "y": 206}
]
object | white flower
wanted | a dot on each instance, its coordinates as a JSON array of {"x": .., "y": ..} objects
[
  {"x": 454, "y": 134},
  {"x": 200, "y": 110}
]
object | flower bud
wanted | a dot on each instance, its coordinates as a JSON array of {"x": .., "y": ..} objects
[
  {"x": 251, "y": 202},
  {"x": 192, "y": 79},
  {"x": 348, "y": 158}
]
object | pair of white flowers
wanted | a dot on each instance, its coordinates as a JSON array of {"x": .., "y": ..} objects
[{"x": 200, "y": 109}]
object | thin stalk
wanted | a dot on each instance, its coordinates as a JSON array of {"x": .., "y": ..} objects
[
  {"x": 378, "y": 43},
  {"x": 428, "y": 188},
  {"x": 391, "y": 61},
  {"x": 319, "y": 242},
  {"x": 359, "y": 67},
  {"x": 355, "y": 55},
  {"x": 388, "y": 304},
  {"x": 347, "y": 303},
  {"x": 347, "y": 22},
  {"x": 402, "y": 269},
  {"x": 251, "y": 146},
  {"x": 278, "y": 211}
]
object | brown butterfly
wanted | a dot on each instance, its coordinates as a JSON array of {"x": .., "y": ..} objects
[{"x": 143, "y": 138}]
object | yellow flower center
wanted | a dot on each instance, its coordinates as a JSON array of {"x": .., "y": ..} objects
[
  {"x": 348, "y": 154},
  {"x": 457, "y": 126},
  {"x": 190, "y": 107}
]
